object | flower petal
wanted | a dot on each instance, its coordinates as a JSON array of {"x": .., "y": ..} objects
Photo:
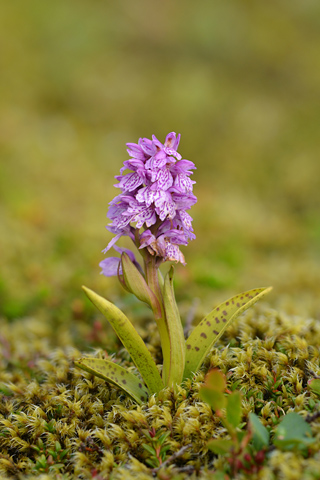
[{"x": 110, "y": 266}]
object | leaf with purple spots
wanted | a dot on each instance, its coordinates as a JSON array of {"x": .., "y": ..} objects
[
  {"x": 210, "y": 329},
  {"x": 113, "y": 373},
  {"x": 131, "y": 340}
]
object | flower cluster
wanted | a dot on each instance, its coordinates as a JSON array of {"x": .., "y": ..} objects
[{"x": 155, "y": 195}]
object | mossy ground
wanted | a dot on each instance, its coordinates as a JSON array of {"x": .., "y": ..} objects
[{"x": 45, "y": 400}]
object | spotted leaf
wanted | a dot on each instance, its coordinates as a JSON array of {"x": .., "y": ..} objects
[
  {"x": 113, "y": 373},
  {"x": 130, "y": 338},
  {"x": 210, "y": 329}
]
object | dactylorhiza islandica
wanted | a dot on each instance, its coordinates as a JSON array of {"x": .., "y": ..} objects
[
  {"x": 152, "y": 211},
  {"x": 155, "y": 196}
]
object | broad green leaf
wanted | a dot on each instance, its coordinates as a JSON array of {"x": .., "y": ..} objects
[
  {"x": 173, "y": 366},
  {"x": 260, "y": 435},
  {"x": 293, "y": 432},
  {"x": 234, "y": 409},
  {"x": 315, "y": 386},
  {"x": 213, "y": 389},
  {"x": 214, "y": 398},
  {"x": 215, "y": 380},
  {"x": 113, "y": 373},
  {"x": 130, "y": 338},
  {"x": 137, "y": 284},
  {"x": 220, "y": 446},
  {"x": 210, "y": 329}
]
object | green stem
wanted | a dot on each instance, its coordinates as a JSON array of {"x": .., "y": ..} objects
[{"x": 153, "y": 283}]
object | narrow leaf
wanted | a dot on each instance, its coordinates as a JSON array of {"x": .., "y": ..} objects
[
  {"x": 163, "y": 437},
  {"x": 149, "y": 449},
  {"x": 130, "y": 338},
  {"x": 113, "y": 373},
  {"x": 173, "y": 371},
  {"x": 210, "y": 329},
  {"x": 160, "y": 279},
  {"x": 260, "y": 435}
]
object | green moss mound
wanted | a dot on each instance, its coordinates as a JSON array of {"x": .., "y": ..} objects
[{"x": 60, "y": 422}]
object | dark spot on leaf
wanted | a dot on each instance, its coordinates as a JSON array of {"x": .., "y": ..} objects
[
  {"x": 142, "y": 398},
  {"x": 227, "y": 303},
  {"x": 215, "y": 332},
  {"x": 188, "y": 346},
  {"x": 197, "y": 349},
  {"x": 140, "y": 385},
  {"x": 124, "y": 382},
  {"x": 203, "y": 335},
  {"x": 224, "y": 320},
  {"x": 224, "y": 312},
  {"x": 238, "y": 304},
  {"x": 208, "y": 323},
  {"x": 218, "y": 309},
  {"x": 217, "y": 320}
]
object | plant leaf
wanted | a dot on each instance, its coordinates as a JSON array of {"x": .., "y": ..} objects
[
  {"x": 215, "y": 380},
  {"x": 261, "y": 436},
  {"x": 137, "y": 284},
  {"x": 220, "y": 446},
  {"x": 210, "y": 329},
  {"x": 130, "y": 338},
  {"x": 293, "y": 432},
  {"x": 314, "y": 384},
  {"x": 213, "y": 389},
  {"x": 234, "y": 409},
  {"x": 149, "y": 449},
  {"x": 163, "y": 437},
  {"x": 113, "y": 373},
  {"x": 215, "y": 399},
  {"x": 173, "y": 371}
]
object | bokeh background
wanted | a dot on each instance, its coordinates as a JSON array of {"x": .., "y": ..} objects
[{"x": 240, "y": 80}]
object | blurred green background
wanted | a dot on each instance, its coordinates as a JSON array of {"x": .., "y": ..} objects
[{"x": 240, "y": 80}]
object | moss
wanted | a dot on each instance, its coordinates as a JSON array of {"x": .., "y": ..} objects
[{"x": 59, "y": 422}]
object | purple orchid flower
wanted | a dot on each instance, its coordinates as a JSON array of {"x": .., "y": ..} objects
[
  {"x": 155, "y": 195},
  {"x": 112, "y": 265}
]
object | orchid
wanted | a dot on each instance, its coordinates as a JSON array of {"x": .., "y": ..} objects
[
  {"x": 152, "y": 210},
  {"x": 155, "y": 196}
]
